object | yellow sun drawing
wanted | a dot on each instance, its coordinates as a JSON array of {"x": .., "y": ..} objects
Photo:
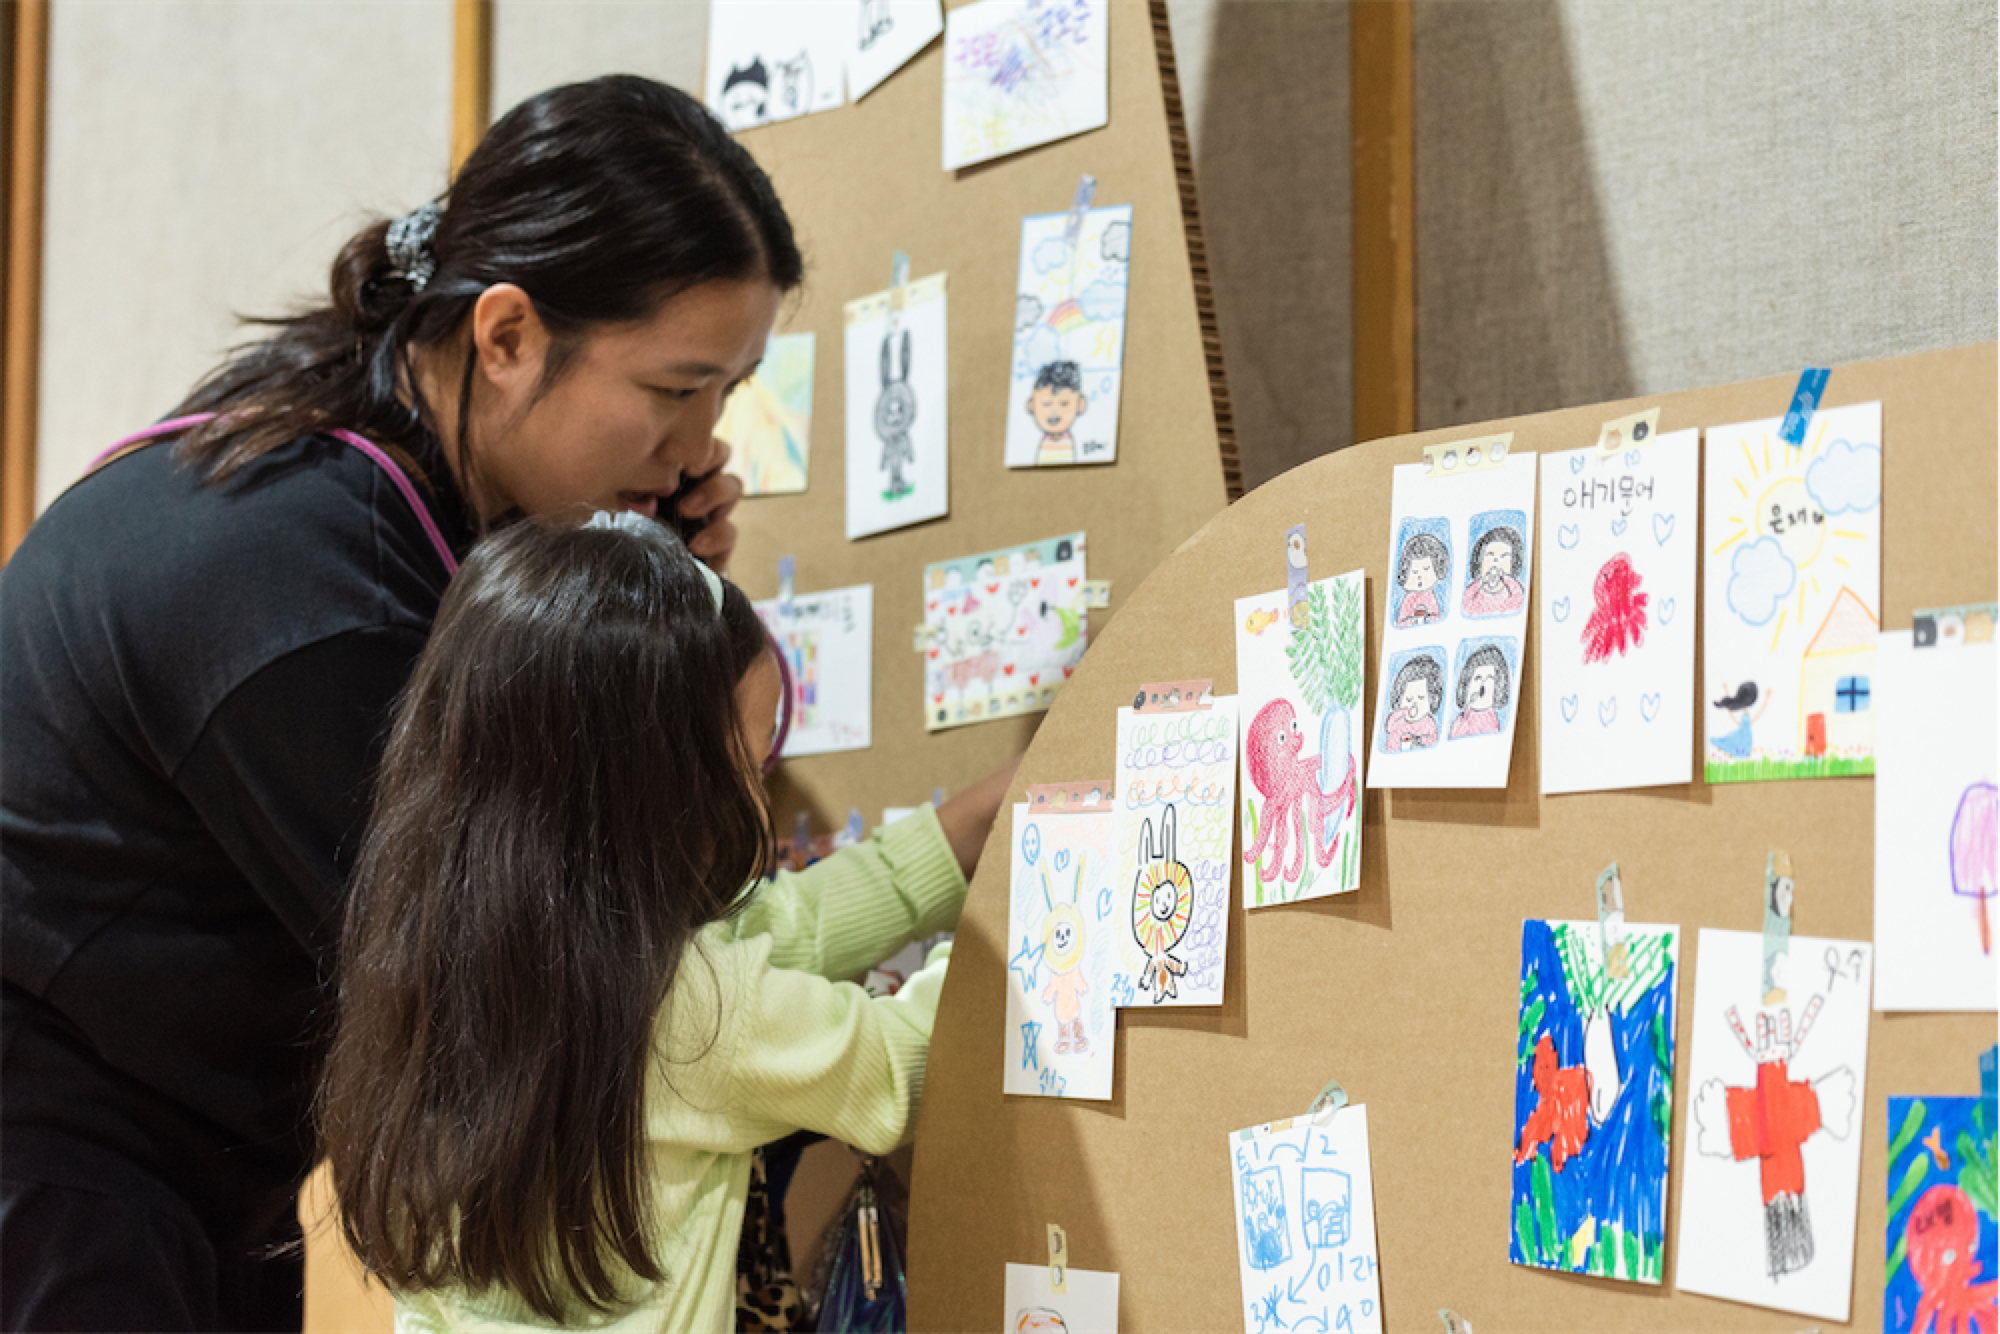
[{"x": 1772, "y": 501}]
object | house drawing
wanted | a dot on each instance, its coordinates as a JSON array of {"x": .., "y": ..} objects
[{"x": 1835, "y": 717}]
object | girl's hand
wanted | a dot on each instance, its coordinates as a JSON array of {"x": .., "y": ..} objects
[
  {"x": 713, "y": 501},
  {"x": 968, "y": 817}
]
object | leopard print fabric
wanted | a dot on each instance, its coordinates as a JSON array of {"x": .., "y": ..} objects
[{"x": 767, "y": 1300}]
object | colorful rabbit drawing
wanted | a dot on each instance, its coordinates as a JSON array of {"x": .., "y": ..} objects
[
  {"x": 895, "y": 410},
  {"x": 1062, "y": 939},
  {"x": 1162, "y": 906}
]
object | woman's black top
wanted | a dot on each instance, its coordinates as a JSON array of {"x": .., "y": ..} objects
[{"x": 195, "y": 682}]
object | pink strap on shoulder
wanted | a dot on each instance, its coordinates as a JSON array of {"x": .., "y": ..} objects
[{"x": 367, "y": 447}]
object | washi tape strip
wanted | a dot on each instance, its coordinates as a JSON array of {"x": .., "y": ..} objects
[
  {"x": 1058, "y": 1260},
  {"x": 1949, "y": 627},
  {"x": 1475, "y": 455},
  {"x": 1628, "y": 432},
  {"x": 1175, "y": 697},
  {"x": 1296, "y": 582},
  {"x": 1805, "y": 402},
  {"x": 1069, "y": 798},
  {"x": 878, "y": 304},
  {"x": 1096, "y": 594}
]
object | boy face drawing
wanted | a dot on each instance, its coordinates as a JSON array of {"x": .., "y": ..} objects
[{"x": 1056, "y": 410}]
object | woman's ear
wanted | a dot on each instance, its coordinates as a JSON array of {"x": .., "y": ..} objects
[{"x": 509, "y": 340}]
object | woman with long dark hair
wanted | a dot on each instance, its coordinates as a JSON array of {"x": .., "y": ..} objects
[
  {"x": 200, "y": 643},
  {"x": 567, "y": 1013}
]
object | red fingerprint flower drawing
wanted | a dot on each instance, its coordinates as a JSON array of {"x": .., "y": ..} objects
[{"x": 1618, "y": 621}]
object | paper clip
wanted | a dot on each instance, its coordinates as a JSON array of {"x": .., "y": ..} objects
[
  {"x": 1454, "y": 1323},
  {"x": 1989, "y": 1072},
  {"x": 1950, "y": 627},
  {"x": 1778, "y": 891},
  {"x": 1058, "y": 1259},
  {"x": 1327, "y": 1103},
  {"x": 899, "y": 279},
  {"x": 801, "y": 840},
  {"x": 937, "y": 797},
  {"x": 1477, "y": 455},
  {"x": 1086, "y": 190},
  {"x": 1628, "y": 432},
  {"x": 1611, "y": 921},
  {"x": 785, "y": 567},
  {"x": 1295, "y": 576},
  {"x": 1062, "y": 798},
  {"x": 1175, "y": 697},
  {"x": 851, "y": 832},
  {"x": 1805, "y": 402}
]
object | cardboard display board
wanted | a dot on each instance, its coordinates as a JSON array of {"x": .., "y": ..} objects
[
  {"x": 863, "y": 182},
  {"x": 1407, "y": 992}
]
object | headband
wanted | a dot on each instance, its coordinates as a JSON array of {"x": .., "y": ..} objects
[
  {"x": 631, "y": 521},
  {"x": 409, "y": 241}
]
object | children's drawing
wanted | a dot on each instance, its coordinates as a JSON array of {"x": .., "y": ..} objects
[
  {"x": 1299, "y": 694},
  {"x": 1935, "y": 799},
  {"x": 1002, "y": 631},
  {"x": 1176, "y": 800},
  {"x": 1062, "y": 934},
  {"x": 1793, "y": 592},
  {"x": 1593, "y": 1101},
  {"x": 1415, "y": 700},
  {"x": 887, "y": 34},
  {"x": 895, "y": 413},
  {"x": 1018, "y": 73},
  {"x": 1617, "y": 615},
  {"x": 1453, "y": 634},
  {"x": 1423, "y": 561},
  {"x": 1069, "y": 339},
  {"x": 1769, "y": 1194},
  {"x": 1943, "y": 1218},
  {"x": 768, "y": 420},
  {"x": 828, "y": 643},
  {"x": 771, "y": 60},
  {"x": 1494, "y": 569},
  {"x": 1088, "y": 1303},
  {"x": 1305, "y": 1224},
  {"x": 1484, "y": 697},
  {"x": 897, "y": 452}
]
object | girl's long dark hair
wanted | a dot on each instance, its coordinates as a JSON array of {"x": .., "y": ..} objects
[
  {"x": 566, "y": 798},
  {"x": 600, "y": 200}
]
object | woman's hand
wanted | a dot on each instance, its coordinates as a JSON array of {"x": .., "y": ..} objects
[
  {"x": 714, "y": 500},
  {"x": 968, "y": 817}
]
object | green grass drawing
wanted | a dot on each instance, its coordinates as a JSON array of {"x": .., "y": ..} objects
[{"x": 1757, "y": 771}]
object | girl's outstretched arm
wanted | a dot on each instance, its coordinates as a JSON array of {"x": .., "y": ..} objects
[{"x": 842, "y": 916}]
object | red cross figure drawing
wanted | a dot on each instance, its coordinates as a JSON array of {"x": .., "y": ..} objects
[
  {"x": 1558, "y": 1119},
  {"x": 1771, "y": 1121}
]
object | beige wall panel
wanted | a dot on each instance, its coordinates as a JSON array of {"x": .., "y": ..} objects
[
  {"x": 209, "y": 158},
  {"x": 1617, "y": 198},
  {"x": 539, "y": 44}
]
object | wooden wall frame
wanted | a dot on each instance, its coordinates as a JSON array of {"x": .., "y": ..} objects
[
  {"x": 1383, "y": 124},
  {"x": 27, "y": 53}
]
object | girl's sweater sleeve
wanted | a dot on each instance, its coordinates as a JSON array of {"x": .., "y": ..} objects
[
  {"x": 826, "y": 1056},
  {"x": 841, "y": 916}
]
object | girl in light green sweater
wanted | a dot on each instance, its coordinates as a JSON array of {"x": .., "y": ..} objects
[{"x": 564, "y": 1021}]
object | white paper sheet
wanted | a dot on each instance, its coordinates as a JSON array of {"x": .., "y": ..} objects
[
  {"x": 1298, "y": 697},
  {"x": 1069, "y": 339},
  {"x": 1088, "y": 1304},
  {"x": 1062, "y": 944},
  {"x": 1455, "y": 626},
  {"x": 1305, "y": 1225},
  {"x": 1018, "y": 73},
  {"x": 1772, "y": 1170},
  {"x": 889, "y": 33},
  {"x": 1935, "y": 786},
  {"x": 1176, "y": 793},
  {"x": 771, "y": 60},
  {"x": 897, "y": 446},
  {"x": 1619, "y": 538},
  {"x": 1002, "y": 631},
  {"x": 1791, "y": 597},
  {"x": 828, "y": 642}
]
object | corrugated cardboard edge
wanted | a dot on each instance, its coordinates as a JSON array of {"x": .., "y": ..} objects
[{"x": 1197, "y": 249}]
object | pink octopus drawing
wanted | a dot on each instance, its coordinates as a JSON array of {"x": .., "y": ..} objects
[{"x": 1293, "y": 799}]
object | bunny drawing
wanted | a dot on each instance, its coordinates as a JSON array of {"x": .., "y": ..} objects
[
  {"x": 894, "y": 411},
  {"x": 1162, "y": 905}
]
